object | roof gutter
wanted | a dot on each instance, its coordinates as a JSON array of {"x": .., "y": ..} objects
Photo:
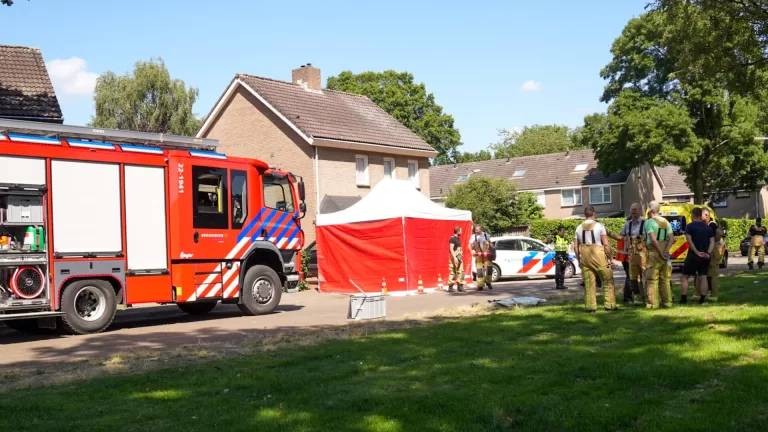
[
  {"x": 375, "y": 148},
  {"x": 47, "y": 119}
]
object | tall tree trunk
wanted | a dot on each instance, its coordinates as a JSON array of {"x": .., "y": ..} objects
[{"x": 698, "y": 182}]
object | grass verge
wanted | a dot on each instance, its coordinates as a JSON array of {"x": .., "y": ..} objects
[{"x": 549, "y": 368}]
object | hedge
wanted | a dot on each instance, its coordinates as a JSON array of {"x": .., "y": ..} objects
[{"x": 736, "y": 229}]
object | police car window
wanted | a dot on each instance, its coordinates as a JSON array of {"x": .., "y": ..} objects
[
  {"x": 277, "y": 193},
  {"x": 504, "y": 245},
  {"x": 531, "y": 246},
  {"x": 211, "y": 203}
]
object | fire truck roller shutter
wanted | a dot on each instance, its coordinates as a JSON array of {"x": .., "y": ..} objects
[
  {"x": 21, "y": 170},
  {"x": 145, "y": 222},
  {"x": 86, "y": 205}
]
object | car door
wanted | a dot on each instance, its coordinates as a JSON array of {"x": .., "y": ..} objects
[
  {"x": 505, "y": 257},
  {"x": 536, "y": 259}
]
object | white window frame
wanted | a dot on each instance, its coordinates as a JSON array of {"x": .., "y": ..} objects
[
  {"x": 721, "y": 203},
  {"x": 575, "y": 204},
  {"x": 519, "y": 172},
  {"x": 743, "y": 194},
  {"x": 367, "y": 180},
  {"x": 602, "y": 194},
  {"x": 415, "y": 180},
  {"x": 583, "y": 166},
  {"x": 541, "y": 197},
  {"x": 394, "y": 168}
]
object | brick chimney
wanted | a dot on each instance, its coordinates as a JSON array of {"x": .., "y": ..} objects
[{"x": 307, "y": 75}]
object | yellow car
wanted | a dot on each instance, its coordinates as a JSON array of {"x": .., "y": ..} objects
[{"x": 679, "y": 215}]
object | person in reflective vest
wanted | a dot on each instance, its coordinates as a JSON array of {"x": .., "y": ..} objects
[
  {"x": 757, "y": 234},
  {"x": 594, "y": 252},
  {"x": 481, "y": 250},
  {"x": 561, "y": 257},
  {"x": 455, "y": 266},
  {"x": 632, "y": 237},
  {"x": 658, "y": 273}
]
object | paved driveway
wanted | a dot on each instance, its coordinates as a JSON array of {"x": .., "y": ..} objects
[{"x": 166, "y": 327}]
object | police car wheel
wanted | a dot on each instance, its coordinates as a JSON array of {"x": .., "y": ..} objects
[
  {"x": 570, "y": 271},
  {"x": 495, "y": 273},
  {"x": 724, "y": 264},
  {"x": 261, "y": 291}
]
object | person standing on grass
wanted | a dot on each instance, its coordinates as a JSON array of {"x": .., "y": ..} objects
[
  {"x": 594, "y": 253},
  {"x": 633, "y": 237},
  {"x": 658, "y": 273},
  {"x": 456, "y": 268},
  {"x": 757, "y": 233},
  {"x": 713, "y": 275},
  {"x": 701, "y": 241},
  {"x": 481, "y": 249}
]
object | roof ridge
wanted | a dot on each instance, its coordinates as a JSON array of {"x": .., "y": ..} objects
[
  {"x": 19, "y": 46},
  {"x": 293, "y": 84},
  {"x": 516, "y": 158}
]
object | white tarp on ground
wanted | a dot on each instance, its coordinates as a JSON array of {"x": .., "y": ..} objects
[{"x": 393, "y": 199}]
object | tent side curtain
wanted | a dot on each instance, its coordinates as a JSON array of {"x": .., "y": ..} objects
[
  {"x": 362, "y": 252},
  {"x": 427, "y": 249}
]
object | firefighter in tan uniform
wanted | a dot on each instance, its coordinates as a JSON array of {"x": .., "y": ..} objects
[
  {"x": 658, "y": 273},
  {"x": 593, "y": 252},
  {"x": 633, "y": 236},
  {"x": 481, "y": 250},
  {"x": 757, "y": 233},
  {"x": 455, "y": 267}
]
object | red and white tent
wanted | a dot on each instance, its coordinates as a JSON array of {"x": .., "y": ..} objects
[{"x": 394, "y": 232}]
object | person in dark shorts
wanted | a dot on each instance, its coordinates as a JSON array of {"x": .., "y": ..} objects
[{"x": 701, "y": 242}]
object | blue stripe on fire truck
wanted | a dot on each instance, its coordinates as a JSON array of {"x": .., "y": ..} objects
[
  {"x": 245, "y": 232},
  {"x": 276, "y": 226}
]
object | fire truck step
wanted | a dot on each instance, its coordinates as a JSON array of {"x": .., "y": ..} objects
[{"x": 6, "y": 317}]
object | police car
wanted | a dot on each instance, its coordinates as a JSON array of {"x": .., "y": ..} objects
[{"x": 519, "y": 256}]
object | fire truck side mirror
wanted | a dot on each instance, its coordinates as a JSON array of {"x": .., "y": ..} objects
[
  {"x": 303, "y": 207},
  {"x": 302, "y": 192}
]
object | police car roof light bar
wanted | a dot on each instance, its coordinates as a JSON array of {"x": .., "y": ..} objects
[{"x": 103, "y": 135}]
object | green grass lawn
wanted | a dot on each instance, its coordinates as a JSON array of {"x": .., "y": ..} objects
[{"x": 547, "y": 369}]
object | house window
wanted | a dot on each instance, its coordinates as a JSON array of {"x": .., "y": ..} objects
[
  {"x": 462, "y": 178},
  {"x": 239, "y": 196},
  {"x": 570, "y": 197},
  {"x": 413, "y": 172},
  {"x": 600, "y": 195},
  {"x": 361, "y": 168},
  {"x": 541, "y": 198},
  {"x": 580, "y": 168},
  {"x": 389, "y": 168},
  {"x": 211, "y": 208},
  {"x": 718, "y": 202},
  {"x": 742, "y": 194},
  {"x": 518, "y": 173}
]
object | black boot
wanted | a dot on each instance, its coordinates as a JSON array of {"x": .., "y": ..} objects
[
  {"x": 450, "y": 288},
  {"x": 461, "y": 288},
  {"x": 750, "y": 265},
  {"x": 488, "y": 284},
  {"x": 683, "y": 299},
  {"x": 759, "y": 265}
]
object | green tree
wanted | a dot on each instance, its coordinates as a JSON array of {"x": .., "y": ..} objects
[
  {"x": 145, "y": 100},
  {"x": 535, "y": 140},
  {"x": 409, "y": 103},
  {"x": 482, "y": 155},
  {"x": 664, "y": 114},
  {"x": 6, "y": 2},
  {"x": 494, "y": 203}
]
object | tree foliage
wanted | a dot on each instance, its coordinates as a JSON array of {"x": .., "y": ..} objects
[
  {"x": 535, "y": 140},
  {"x": 494, "y": 203},
  {"x": 409, "y": 103},
  {"x": 667, "y": 112},
  {"x": 145, "y": 100},
  {"x": 7, "y": 2},
  {"x": 482, "y": 155}
]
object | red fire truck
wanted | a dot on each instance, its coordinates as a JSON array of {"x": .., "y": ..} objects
[{"x": 92, "y": 218}]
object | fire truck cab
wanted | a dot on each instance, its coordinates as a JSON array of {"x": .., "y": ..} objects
[{"x": 93, "y": 218}]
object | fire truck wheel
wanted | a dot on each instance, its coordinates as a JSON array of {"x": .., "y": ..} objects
[
  {"x": 201, "y": 308},
  {"x": 89, "y": 306},
  {"x": 261, "y": 291}
]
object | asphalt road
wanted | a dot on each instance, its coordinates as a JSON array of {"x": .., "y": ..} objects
[{"x": 166, "y": 327}]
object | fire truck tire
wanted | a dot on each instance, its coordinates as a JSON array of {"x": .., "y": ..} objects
[
  {"x": 201, "y": 308},
  {"x": 89, "y": 306},
  {"x": 261, "y": 291}
]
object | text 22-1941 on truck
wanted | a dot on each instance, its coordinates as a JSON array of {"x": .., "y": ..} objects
[{"x": 93, "y": 218}]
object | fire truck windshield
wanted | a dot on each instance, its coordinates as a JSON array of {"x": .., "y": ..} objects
[{"x": 277, "y": 193}]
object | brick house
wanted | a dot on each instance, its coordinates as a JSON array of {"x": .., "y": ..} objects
[
  {"x": 26, "y": 92},
  {"x": 341, "y": 144},
  {"x": 566, "y": 182}
]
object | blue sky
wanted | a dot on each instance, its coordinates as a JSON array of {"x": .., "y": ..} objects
[{"x": 491, "y": 64}]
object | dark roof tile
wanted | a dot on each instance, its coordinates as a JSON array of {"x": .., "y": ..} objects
[
  {"x": 541, "y": 172},
  {"x": 674, "y": 181},
  {"x": 25, "y": 87}
]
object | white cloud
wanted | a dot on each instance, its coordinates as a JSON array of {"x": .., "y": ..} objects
[
  {"x": 71, "y": 76},
  {"x": 531, "y": 86}
]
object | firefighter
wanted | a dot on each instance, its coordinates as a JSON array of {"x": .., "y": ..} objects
[
  {"x": 594, "y": 254},
  {"x": 561, "y": 257},
  {"x": 481, "y": 250},
  {"x": 455, "y": 267},
  {"x": 658, "y": 272},
  {"x": 633, "y": 237},
  {"x": 757, "y": 234}
]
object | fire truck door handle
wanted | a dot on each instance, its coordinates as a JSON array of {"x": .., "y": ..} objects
[{"x": 196, "y": 237}]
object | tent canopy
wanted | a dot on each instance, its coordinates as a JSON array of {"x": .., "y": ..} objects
[{"x": 393, "y": 199}]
